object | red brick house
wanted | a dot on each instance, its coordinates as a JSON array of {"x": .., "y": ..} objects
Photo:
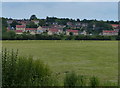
[
  {"x": 75, "y": 32},
  {"x": 52, "y": 31},
  {"x": 115, "y": 25},
  {"x": 20, "y": 29},
  {"x": 109, "y": 32}
]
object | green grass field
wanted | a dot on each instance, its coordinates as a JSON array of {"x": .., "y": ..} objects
[{"x": 99, "y": 58}]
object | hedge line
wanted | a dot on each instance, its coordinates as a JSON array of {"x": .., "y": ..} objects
[{"x": 58, "y": 37}]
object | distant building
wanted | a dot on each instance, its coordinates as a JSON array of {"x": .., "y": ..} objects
[
  {"x": 19, "y": 31},
  {"x": 115, "y": 25},
  {"x": 52, "y": 31},
  {"x": 31, "y": 30},
  {"x": 20, "y": 27},
  {"x": 84, "y": 33},
  {"x": 68, "y": 31},
  {"x": 69, "y": 23},
  {"x": 9, "y": 21},
  {"x": 109, "y": 32},
  {"x": 41, "y": 29},
  {"x": 36, "y": 21}
]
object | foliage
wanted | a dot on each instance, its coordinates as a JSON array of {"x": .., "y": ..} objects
[
  {"x": 33, "y": 17},
  {"x": 94, "y": 81},
  {"x": 14, "y": 23},
  {"x": 10, "y": 35},
  {"x": 42, "y": 22},
  {"x": 72, "y": 80},
  {"x": 4, "y": 22},
  {"x": 4, "y": 25},
  {"x": 31, "y": 25},
  {"x": 24, "y": 71}
]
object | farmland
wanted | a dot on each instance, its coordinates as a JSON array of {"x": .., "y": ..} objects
[{"x": 99, "y": 58}]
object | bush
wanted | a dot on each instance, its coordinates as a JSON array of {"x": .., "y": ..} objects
[
  {"x": 94, "y": 82},
  {"x": 81, "y": 81},
  {"x": 72, "y": 80},
  {"x": 108, "y": 83},
  {"x": 24, "y": 71}
]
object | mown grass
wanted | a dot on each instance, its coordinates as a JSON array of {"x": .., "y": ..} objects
[{"x": 98, "y": 58}]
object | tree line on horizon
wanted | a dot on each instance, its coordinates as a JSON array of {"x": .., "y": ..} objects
[{"x": 100, "y": 25}]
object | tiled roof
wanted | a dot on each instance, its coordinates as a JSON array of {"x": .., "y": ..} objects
[
  {"x": 30, "y": 28},
  {"x": 20, "y": 26},
  {"x": 74, "y": 31},
  {"x": 110, "y": 31},
  {"x": 115, "y": 25},
  {"x": 54, "y": 30}
]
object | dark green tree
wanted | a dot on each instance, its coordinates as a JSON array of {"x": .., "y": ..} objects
[
  {"x": 78, "y": 20},
  {"x": 14, "y": 23},
  {"x": 42, "y": 22},
  {"x": 71, "y": 33},
  {"x": 31, "y": 25},
  {"x": 11, "y": 34},
  {"x": 33, "y": 17}
]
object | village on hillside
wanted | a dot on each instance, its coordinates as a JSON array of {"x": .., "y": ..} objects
[{"x": 53, "y": 26}]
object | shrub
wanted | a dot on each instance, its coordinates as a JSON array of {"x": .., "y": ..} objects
[
  {"x": 70, "y": 80},
  {"x": 24, "y": 71},
  {"x": 73, "y": 80},
  {"x": 109, "y": 83},
  {"x": 94, "y": 82},
  {"x": 81, "y": 81}
]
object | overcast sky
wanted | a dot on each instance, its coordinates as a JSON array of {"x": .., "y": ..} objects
[
  {"x": 74, "y": 10},
  {"x": 60, "y": 0}
]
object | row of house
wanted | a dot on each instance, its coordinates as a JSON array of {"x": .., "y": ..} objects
[
  {"x": 58, "y": 29},
  {"x": 22, "y": 28},
  {"x": 50, "y": 31},
  {"x": 112, "y": 32}
]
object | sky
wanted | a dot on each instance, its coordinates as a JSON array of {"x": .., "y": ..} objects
[
  {"x": 74, "y": 10},
  {"x": 60, "y": 0}
]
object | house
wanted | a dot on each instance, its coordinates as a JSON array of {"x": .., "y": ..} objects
[
  {"x": 41, "y": 29},
  {"x": 19, "y": 31},
  {"x": 68, "y": 31},
  {"x": 84, "y": 24},
  {"x": 78, "y": 24},
  {"x": 115, "y": 25},
  {"x": 52, "y": 31},
  {"x": 54, "y": 23},
  {"x": 9, "y": 21},
  {"x": 84, "y": 33},
  {"x": 69, "y": 23},
  {"x": 45, "y": 27},
  {"x": 36, "y": 21},
  {"x": 23, "y": 22},
  {"x": 20, "y": 27},
  {"x": 31, "y": 30},
  {"x": 109, "y": 32}
]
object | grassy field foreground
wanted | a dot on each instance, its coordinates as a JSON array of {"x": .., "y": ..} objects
[{"x": 99, "y": 58}]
